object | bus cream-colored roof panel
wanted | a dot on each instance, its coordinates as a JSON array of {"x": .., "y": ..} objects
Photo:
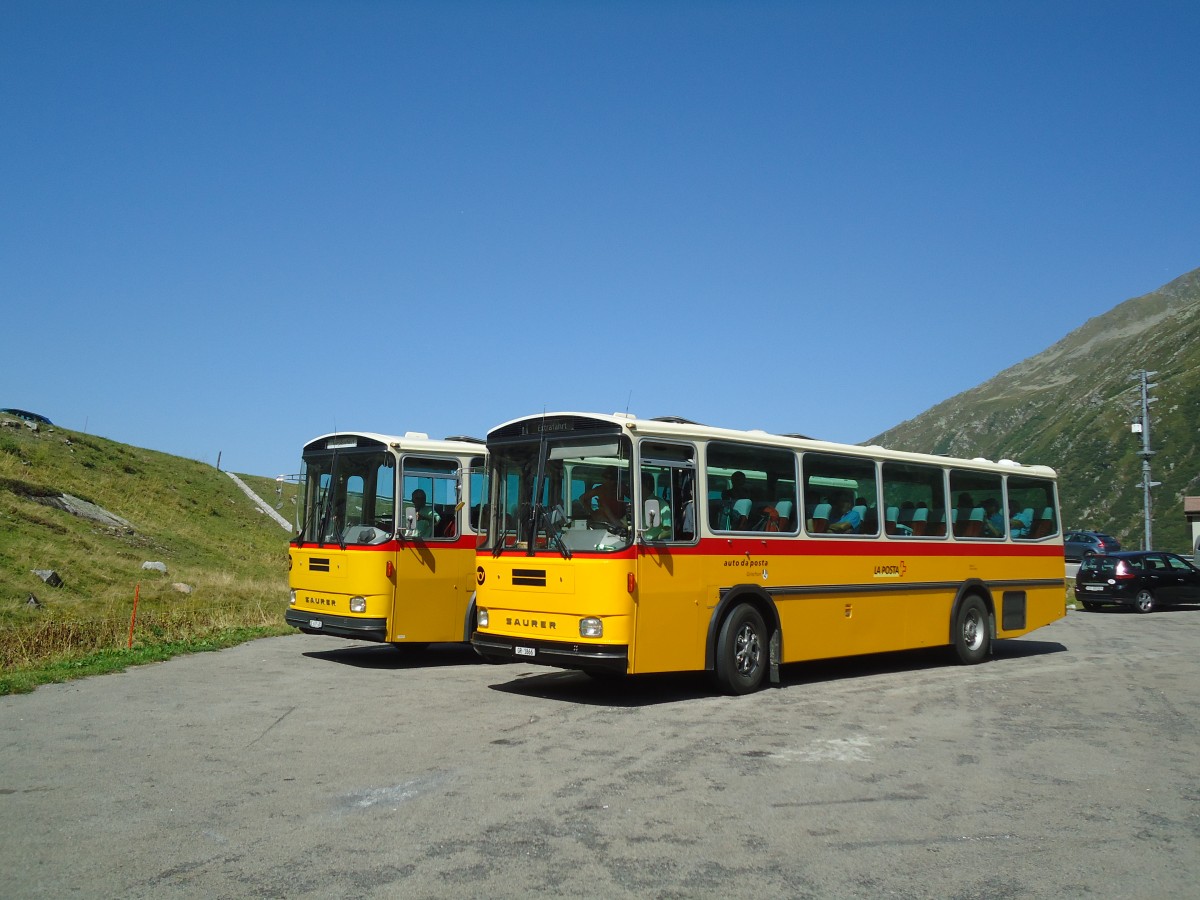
[{"x": 676, "y": 429}]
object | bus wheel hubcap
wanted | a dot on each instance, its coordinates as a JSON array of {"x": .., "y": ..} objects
[{"x": 747, "y": 650}]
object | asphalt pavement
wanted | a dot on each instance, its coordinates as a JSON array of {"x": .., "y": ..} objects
[{"x": 306, "y": 766}]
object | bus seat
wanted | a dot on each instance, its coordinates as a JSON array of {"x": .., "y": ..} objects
[
  {"x": 974, "y": 525},
  {"x": 1044, "y": 525},
  {"x": 820, "y": 517},
  {"x": 741, "y": 514},
  {"x": 783, "y": 509},
  {"x": 890, "y": 520},
  {"x": 920, "y": 521}
]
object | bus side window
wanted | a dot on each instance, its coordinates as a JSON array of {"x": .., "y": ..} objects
[
  {"x": 667, "y": 479},
  {"x": 742, "y": 485},
  {"x": 841, "y": 494},
  {"x": 1030, "y": 508}
]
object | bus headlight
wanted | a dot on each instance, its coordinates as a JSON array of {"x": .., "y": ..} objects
[
  {"x": 481, "y": 616},
  {"x": 358, "y": 604},
  {"x": 292, "y": 597},
  {"x": 591, "y": 627}
]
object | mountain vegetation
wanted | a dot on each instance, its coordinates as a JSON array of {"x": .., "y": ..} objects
[{"x": 1072, "y": 406}]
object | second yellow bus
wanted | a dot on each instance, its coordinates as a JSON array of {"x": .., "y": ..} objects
[{"x": 386, "y": 533}]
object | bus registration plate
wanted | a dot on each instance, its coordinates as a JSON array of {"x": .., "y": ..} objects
[
  {"x": 524, "y": 651},
  {"x": 315, "y": 623}
]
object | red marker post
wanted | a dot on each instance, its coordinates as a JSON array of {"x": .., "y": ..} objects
[{"x": 133, "y": 618}]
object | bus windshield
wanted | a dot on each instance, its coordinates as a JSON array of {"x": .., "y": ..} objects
[
  {"x": 564, "y": 494},
  {"x": 349, "y": 497}
]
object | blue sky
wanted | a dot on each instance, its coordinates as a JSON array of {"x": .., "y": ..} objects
[{"x": 231, "y": 227}]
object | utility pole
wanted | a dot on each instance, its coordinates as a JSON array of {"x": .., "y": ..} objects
[{"x": 1141, "y": 425}]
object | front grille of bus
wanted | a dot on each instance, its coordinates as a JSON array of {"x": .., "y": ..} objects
[
  {"x": 318, "y": 565},
  {"x": 529, "y": 577}
]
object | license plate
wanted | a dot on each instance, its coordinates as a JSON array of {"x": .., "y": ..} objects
[
  {"x": 315, "y": 623},
  {"x": 524, "y": 651},
  {"x": 1093, "y": 587}
]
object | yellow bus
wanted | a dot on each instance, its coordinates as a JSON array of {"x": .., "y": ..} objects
[
  {"x": 623, "y": 545},
  {"x": 385, "y": 538}
]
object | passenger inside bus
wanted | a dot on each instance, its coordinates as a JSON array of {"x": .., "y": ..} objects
[
  {"x": 426, "y": 518},
  {"x": 736, "y": 504},
  {"x": 847, "y": 518},
  {"x": 1022, "y": 523},
  {"x": 610, "y": 501},
  {"x": 993, "y": 518}
]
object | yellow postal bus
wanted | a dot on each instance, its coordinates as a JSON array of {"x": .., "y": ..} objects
[
  {"x": 385, "y": 541},
  {"x": 625, "y": 545}
]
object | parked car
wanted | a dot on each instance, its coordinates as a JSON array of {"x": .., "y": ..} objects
[
  {"x": 28, "y": 416},
  {"x": 1078, "y": 544},
  {"x": 1142, "y": 579}
]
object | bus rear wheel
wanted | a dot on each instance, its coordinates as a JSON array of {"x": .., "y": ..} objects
[
  {"x": 971, "y": 632},
  {"x": 741, "y": 661}
]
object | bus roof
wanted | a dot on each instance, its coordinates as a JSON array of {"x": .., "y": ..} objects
[
  {"x": 670, "y": 426},
  {"x": 410, "y": 440}
]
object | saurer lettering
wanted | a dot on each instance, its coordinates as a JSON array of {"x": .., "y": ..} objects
[{"x": 530, "y": 623}]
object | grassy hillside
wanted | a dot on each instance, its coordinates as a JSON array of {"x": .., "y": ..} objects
[
  {"x": 1071, "y": 406},
  {"x": 183, "y": 513}
]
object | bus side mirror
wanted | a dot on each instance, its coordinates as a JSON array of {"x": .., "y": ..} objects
[
  {"x": 410, "y": 522},
  {"x": 651, "y": 515}
]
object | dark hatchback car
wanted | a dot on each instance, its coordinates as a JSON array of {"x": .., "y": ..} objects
[
  {"x": 1080, "y": 544},
  {"x": 1142, "y": 579}
]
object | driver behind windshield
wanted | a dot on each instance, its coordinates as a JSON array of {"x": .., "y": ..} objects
[{"x": 610, "y": 502}]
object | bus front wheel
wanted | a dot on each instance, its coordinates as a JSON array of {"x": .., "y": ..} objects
[
  {"x": 972, "y": 634},
  {"x": 741, "y": 661}
]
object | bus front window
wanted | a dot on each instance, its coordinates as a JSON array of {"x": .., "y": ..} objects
[
  {"x": 561, "y": 495},
  {"x": 349, "y": 498}
]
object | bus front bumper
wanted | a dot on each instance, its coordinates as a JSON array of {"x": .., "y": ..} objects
[
  {"x": 589, "y": 657},
  {"x": 337, "y": 626}
]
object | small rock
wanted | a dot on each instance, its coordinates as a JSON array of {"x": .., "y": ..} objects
[
  {"x": 49, "y": 576},
  {"x": 33, "y": 602},
  {"x": 155, "y": 566},
  {"x": 182, "y": 588}
]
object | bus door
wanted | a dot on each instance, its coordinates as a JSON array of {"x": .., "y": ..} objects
[
  {"x": 432, "y": 584},
  {"x": 669, "y": 597}
]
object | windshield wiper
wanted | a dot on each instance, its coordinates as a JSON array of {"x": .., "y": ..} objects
[
  {"x": 329, "y": 495},
  {"x": 553, "y": 520}
]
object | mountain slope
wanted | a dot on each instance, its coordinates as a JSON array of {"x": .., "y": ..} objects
[
  {"x": 183, "y": 513},
  {"x": 1071, "y": 407}
]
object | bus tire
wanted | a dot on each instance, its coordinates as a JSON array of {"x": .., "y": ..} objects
[
  {"x": 742, "y": 651},
  {"x": 971, "y": 632}
]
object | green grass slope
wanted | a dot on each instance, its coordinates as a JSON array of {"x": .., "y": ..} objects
[{"x": 185, "y": 514}]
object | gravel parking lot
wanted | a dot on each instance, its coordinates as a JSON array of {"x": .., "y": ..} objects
[{"x": 307, "y": 766}]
